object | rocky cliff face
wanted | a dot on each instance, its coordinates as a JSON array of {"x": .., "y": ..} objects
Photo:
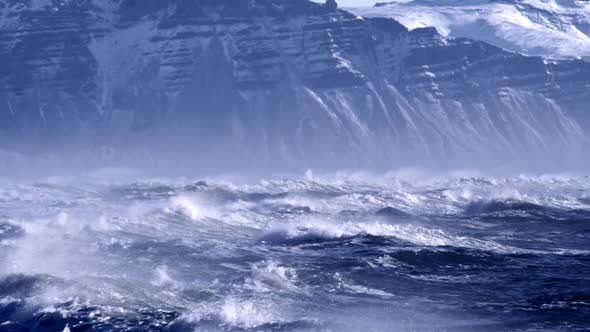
[{"x": 274, "y": 80}]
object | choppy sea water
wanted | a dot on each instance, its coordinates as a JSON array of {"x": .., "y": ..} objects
[{"x": 461, "y": 254}]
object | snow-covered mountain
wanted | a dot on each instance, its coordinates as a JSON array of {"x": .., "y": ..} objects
[
  {"x": 550, "y": 28},
  {"x": 277, "y": 80}
]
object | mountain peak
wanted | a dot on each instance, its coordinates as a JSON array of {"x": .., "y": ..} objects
[{"x": 276, "y": 80}]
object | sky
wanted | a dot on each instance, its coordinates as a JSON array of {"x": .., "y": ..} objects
[{"x": 354, "y": 3}]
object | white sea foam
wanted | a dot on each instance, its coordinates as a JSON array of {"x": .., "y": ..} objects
[
  {"x": 236, "y": 312},
  {"x": 191, "y": 207},
  {"x": 247, "y": 314},
  {"x": 358, "y": 289},
  {"x": 317, "y": 229},
  {"x": 272, "y": 277},
  {"x": 162, "y": 278}
]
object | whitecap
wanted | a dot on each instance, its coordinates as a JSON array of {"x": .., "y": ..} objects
[
  {"x": 271, "y": 277},
  {"x": 317, "y": 230},
  {"x": 352, "y": 287}
]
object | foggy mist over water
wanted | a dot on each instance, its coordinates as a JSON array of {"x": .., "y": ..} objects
[{"x": 284, "y": 165}]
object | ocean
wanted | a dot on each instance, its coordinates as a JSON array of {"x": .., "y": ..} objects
[{"x": 327, "y": 253}]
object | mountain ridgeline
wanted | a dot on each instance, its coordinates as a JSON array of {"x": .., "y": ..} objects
[{"x": 290, "y": 82}]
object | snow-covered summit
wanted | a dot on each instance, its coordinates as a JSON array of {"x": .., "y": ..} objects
[{"x": 550, "y": 28}]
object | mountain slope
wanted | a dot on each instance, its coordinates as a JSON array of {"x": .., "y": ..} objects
[
  {"x": 277, "y": 81},
  {"x": 550, "y": 28}
]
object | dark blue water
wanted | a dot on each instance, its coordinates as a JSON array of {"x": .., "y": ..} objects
[{"x": 469, "y": 254}]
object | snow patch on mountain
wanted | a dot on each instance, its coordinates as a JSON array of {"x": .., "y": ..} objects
[{"x": 550, "y": 28}]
